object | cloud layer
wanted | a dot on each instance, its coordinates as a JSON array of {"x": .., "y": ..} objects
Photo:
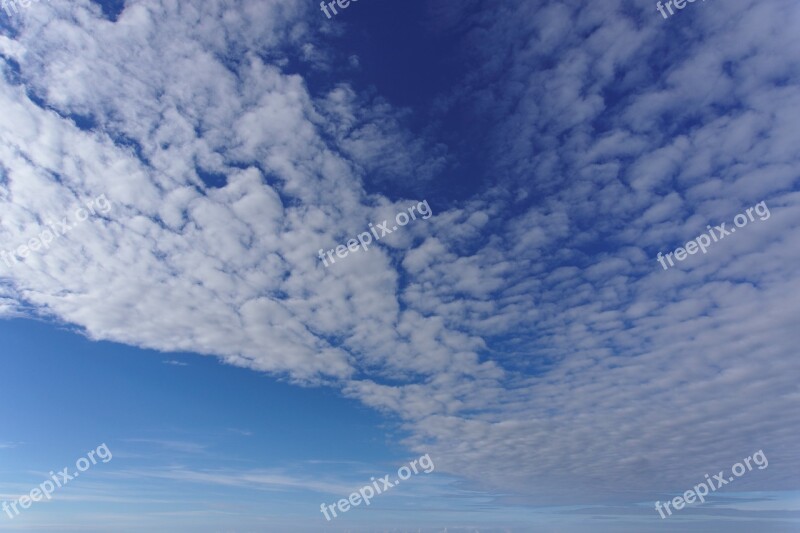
[{"x": 526, "y": 338}]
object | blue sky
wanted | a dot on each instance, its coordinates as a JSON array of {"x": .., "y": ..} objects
[{"x": 524, "y": 335}]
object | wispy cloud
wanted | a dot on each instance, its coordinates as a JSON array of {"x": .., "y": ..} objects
[
  {"x": 250, "y": 479},
  {"x": 171, "y": 445}
]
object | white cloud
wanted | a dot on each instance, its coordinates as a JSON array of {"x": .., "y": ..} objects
[{"x": 538, "y": 345}]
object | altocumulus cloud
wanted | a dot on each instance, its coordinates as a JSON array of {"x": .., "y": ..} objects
[{"x": 551, "y": 358}]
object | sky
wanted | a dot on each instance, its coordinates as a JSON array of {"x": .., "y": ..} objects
[{"x": 254, "y": 258}]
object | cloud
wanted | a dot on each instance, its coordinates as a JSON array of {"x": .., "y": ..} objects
[
  {"x": 527, "y": 338},
  {"x": 255, "y": 479},
  {"x": 172, "y": 445}
]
